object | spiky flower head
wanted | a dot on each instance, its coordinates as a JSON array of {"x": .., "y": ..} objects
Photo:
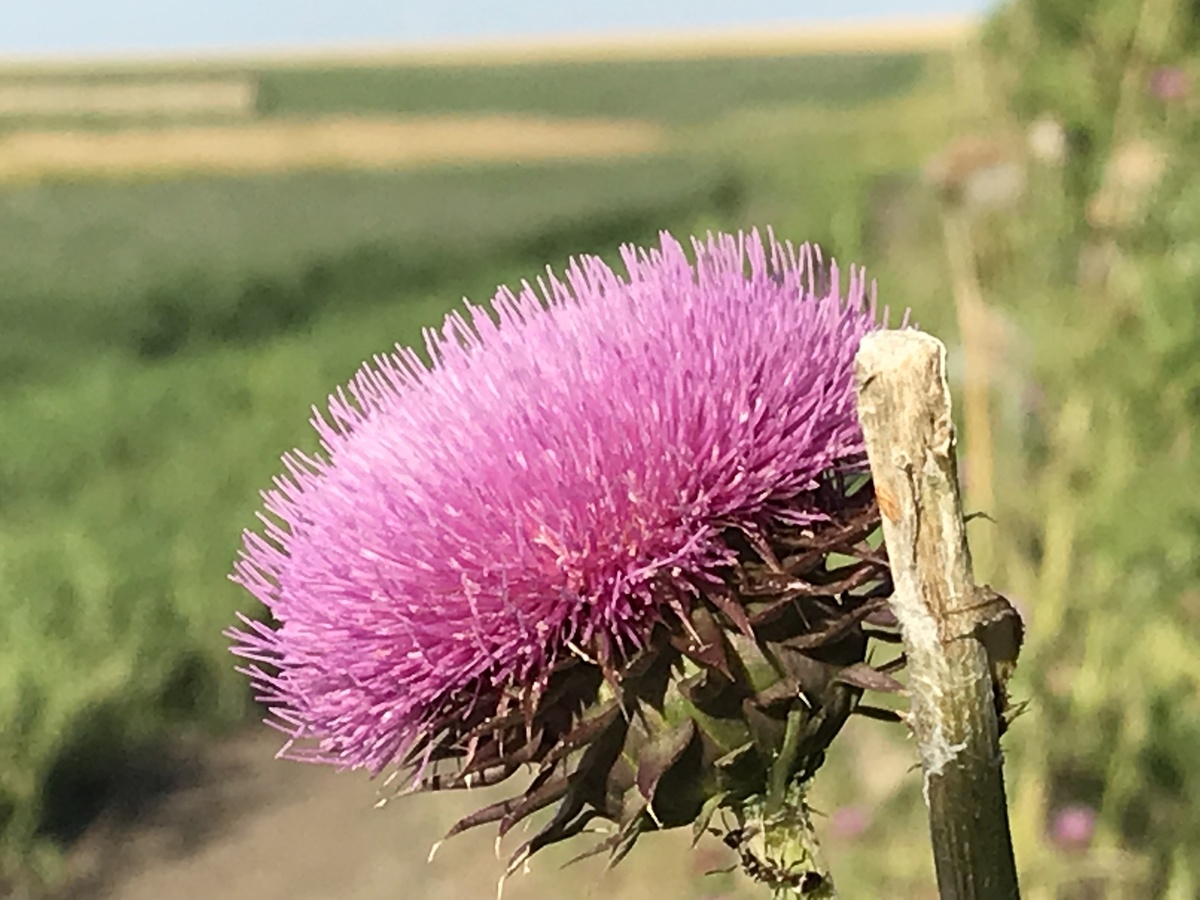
[{"x": 598, "y": 493}]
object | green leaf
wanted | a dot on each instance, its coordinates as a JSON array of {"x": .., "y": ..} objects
[
  {"x": 657, "y": 757},
  {"x": 707, "y": 811}
]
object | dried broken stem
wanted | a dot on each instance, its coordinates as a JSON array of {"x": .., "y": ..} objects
[{"x": 946, "y": 621}]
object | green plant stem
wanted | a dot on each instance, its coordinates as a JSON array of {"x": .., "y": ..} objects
[
  {"x": 782, "y": 851},
  {"x": 777, "y": 796}
]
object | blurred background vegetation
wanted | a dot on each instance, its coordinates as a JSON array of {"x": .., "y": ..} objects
[{"x": 1032, "y": 192}]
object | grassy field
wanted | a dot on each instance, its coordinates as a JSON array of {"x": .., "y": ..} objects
[
  {"x": 680, "y": 90},
  {"x": 93, "y": 269},
  {"x": 658, "y": 90},
  {"x": 161, "y": 342}
]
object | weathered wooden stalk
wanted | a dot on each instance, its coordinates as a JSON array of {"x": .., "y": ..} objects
[{"x": 960, "y": 640}]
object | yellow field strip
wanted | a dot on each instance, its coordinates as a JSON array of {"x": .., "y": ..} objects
[
  {"x": 162, "y": 97},
  {"x": 345, "y": 142},
  {"x": 889, "y": 36}
]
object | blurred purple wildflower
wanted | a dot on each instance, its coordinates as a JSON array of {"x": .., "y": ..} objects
[
  {"x": 558, "y": 480},
  {"x": 1170, "y": 83},
  {"x": 848, "y": 823},
  {"x": 1072, "y": 827}
]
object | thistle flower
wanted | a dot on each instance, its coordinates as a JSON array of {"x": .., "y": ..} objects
[
  {"x": 1170, "y": 83},
  {"x": 593, "y": 536},
  {"x": 848, "y": 823},
  {"x": 1072, "y": 827}
]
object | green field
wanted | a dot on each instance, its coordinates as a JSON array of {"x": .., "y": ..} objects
[
  {"x": 679, "y": 91},
  {"x": 161, "y": 344},
  {"x": 674, "y": 91},
  {"x": 145, "y": 268}
]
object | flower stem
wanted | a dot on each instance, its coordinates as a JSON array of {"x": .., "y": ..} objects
[
  {"x": 781, "y": 849},
  {"x": 961, "y": 640},
  {"x": 781, "y": 771}
]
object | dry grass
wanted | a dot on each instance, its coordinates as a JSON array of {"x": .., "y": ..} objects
[
  {"x": 882, "y": 36},
  {"x": 335, "y": 142},
  {"x": 236, "y": 97}
]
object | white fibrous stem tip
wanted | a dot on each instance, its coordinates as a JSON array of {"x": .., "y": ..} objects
[
  {"x": 654, "y": 816},
  {"x": 581, "y": 653},
  {"x": 433, "y": 851},
  {"x": 522, "y": 861}
]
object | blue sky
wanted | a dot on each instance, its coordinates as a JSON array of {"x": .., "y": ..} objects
[{"x": 101, "y": 26}]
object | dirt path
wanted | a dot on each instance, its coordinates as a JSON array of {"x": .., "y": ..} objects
[{"x": 243, "y": 826}]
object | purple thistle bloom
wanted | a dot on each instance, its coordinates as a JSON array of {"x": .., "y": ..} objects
[
  {"x": 559, "y": 479},
  {"x": 1170, "y": 83},
  {"x": 849, "y": 822},
  {"x": 1073, "y": 827}
]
